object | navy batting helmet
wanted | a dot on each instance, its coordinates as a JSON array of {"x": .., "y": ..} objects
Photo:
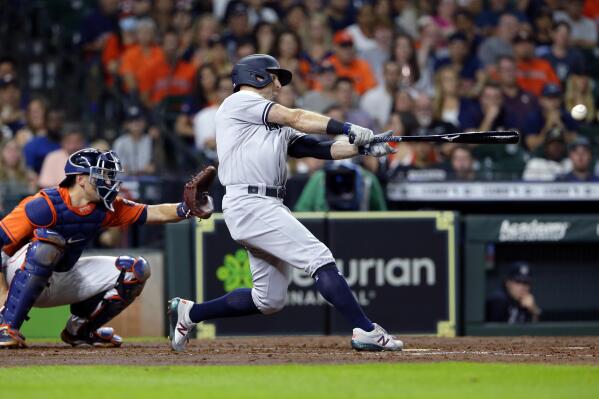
[{"x": 254, "y": 70}]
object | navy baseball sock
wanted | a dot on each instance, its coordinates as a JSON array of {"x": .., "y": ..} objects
[
  {"x": 236, "y": 303},
  {"x": 333, "y": 287}
]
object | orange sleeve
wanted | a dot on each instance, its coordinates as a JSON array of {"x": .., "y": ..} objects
[
  {"x": 111, "y": 50},
  {"x": 368, "y": 79},
  {"x": 17, "y": 227},
  {"x": 125, "y": 213},
  {"x": 128, "y": 61}
]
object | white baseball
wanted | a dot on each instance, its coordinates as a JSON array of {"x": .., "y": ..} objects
[{"x": 579, "y": 112}]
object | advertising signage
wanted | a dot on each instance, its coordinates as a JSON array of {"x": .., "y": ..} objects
[{"x": 401, "y": 266}]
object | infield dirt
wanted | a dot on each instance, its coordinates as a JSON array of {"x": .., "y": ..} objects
[{"x": 311, "y": 349}]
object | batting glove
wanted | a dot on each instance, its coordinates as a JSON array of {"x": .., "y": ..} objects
[
  {"x": 378, "y": 149},
  {"x": 358, "y": 135}
]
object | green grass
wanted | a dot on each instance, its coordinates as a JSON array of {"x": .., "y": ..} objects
[{"x": 433, "y": 380}]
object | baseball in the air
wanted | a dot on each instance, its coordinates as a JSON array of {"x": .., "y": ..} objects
[{"x": 579, "y": 112}]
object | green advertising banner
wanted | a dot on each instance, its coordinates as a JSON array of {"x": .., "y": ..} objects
[{"x": 401, "y": 267}]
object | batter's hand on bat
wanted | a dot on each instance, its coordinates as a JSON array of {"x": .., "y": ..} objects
[
  {"x": 378, "y": 149},
  {"x": 358, "y": 135}
]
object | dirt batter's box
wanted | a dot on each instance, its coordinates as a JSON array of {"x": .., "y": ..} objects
[{"x": 405, "y": 275}]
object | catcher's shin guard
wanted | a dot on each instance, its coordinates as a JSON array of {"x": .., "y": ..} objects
[
  {"x": 43, "y": 254},
  {"x": 89, "y": 315}
]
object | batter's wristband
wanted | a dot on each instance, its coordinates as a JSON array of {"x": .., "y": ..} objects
[
  {"x": 183, "y": 210},
  {"x": 335, "y": 128}
]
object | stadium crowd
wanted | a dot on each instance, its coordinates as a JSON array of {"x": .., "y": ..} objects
[{"x": 145, "y": 78}]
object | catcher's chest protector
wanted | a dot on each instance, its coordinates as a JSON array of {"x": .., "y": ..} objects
[{"x": 77, "y": 230}]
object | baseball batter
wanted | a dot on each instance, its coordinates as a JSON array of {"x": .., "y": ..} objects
[
  {"x": 254, "y": 137},
  {"x": 42, "y": 240}
]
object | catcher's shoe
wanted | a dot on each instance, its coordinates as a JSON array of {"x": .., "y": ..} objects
[
  {"x": 375, "y": 340},
  {"x": 180, "y": 323},
  {"x": 102, "y": 337},
  {"x": 11, "y": 338}
]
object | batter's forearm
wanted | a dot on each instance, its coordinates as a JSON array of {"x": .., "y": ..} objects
[
  {"x": 343, "y": 150},
  {"x": 309, "y": 122}
]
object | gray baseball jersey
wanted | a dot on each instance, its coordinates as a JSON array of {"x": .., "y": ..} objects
[{"x": 251, "y": 150}]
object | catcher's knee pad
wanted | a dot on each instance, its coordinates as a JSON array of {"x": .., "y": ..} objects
[
  {"x": 42, "y": 256},
  {"x": 94, "y": 312}
]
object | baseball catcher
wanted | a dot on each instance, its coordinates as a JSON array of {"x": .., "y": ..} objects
[{"x": 43, "y": 238}]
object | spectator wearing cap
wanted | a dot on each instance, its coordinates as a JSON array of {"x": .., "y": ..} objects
[
  {"x": 116, "y": 45},
  {"x": 500, "y": 43},
  {"x": 12, "y": 117},
  {"x": 562, "y": 56},
  {"x": 533, "y": 73},
  {"x": 167, "y": 75},
  {"x": 378, "y": 102},
  {"x": 553, "y": 115},
  {"x": 514, "y": 302},
  {"x": 341, "y": 14},
  {"x": 322, "y": 96},
  {"x": 135, "y": 147},
  {"x": 579, "y": 90},
  {"x": 581, "y": 157},
  {"x": 552, "y": 163},
  {"x": 238, "y": 26},
  {"x": 584, "y": 30},
  {"x": 348, "y": 65},
  {"x": 52, "y": 171},
  {"x": 136, "y": 59},
  {"x": 462, "y": 60}
]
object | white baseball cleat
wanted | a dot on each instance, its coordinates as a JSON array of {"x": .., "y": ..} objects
[
  {"x": 180, "y": 323},
  {"x": 375, "y": 340}
]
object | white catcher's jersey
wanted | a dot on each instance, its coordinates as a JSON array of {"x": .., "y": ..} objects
[{"x": 250, "y": 150}]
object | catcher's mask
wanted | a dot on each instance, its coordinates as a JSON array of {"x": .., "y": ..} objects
[{"x": 104, "y": 169}]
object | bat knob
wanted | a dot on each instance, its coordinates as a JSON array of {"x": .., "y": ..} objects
[{"x": 352, "y": 138}]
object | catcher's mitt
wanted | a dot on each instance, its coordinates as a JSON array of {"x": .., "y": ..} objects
[{"x": 195, "y": 193}]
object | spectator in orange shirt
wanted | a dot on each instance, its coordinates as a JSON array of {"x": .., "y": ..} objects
[
  {"x": 533, "y": 73},
  {"x": 116, "y": 45},
  {"x": 347, "y": 65},
  {"x": 136, "y": 59},
  {"x": 168, "y": 75}
]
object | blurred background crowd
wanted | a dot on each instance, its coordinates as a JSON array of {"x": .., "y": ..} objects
[{"x": 145, "y": 77}]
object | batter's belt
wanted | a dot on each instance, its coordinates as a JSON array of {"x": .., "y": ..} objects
[{"x": 259, "y": 189}]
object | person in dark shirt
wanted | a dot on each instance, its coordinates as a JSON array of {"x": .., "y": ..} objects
[
  {"x": 579, "y": 152},
  {"x": 514, "y": 302}
]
